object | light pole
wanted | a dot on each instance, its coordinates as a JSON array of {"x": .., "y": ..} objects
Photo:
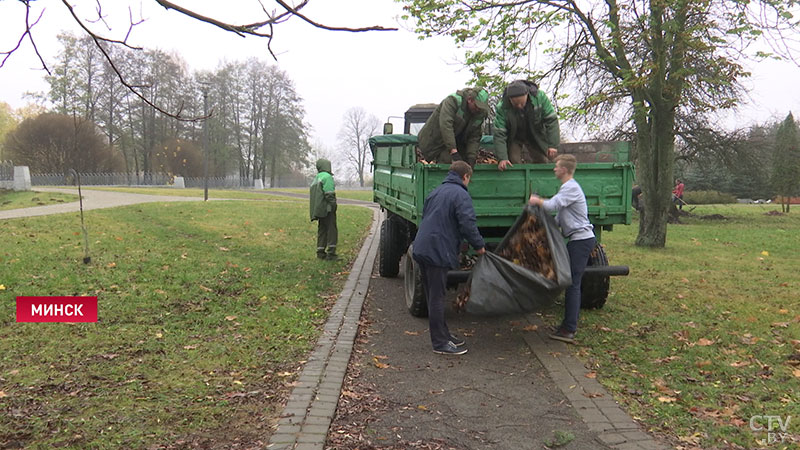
[{"x": 205, "y": 141}]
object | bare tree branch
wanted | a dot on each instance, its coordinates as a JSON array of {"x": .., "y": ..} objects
[
  {"x": 240, "y": 30},
  {"x": 28, "y": 27},
  {"x": 252, "y": 29},
  {"x": 97, "y": 40},
  {"x": 295, "y": 12}
]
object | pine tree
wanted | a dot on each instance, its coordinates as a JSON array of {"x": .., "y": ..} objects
[{"x": 786, "y": 162}]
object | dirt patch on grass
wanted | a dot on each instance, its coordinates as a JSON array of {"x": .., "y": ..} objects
[
  {"x": 713, "y": 217},
  {"x": 773, "y": 213}
]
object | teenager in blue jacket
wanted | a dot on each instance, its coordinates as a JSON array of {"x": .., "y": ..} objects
[{"x": 447, "y": 218}]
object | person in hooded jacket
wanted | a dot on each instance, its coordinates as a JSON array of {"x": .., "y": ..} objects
[
  {"x": 525, "y": 126},
  {"x": 322, "y": 204},
  {"x": 448, "y": 217},
  {"x": 453, "y": 131}
]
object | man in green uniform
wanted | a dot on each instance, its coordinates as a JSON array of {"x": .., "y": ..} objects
[
  {"x": 453, "y": 131},
  {"x": 323, "y": 208},
  {"x": 525, "y": 126}
]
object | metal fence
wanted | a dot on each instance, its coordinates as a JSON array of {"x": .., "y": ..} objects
[
  {"x": 103, "y": 179},
  {"x": 6, "y": 171},
  {"x": 219, "y": 182},
  {"x": 133, "y": 179}
]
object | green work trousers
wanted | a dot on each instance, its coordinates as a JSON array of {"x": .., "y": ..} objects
[{"x": 327, "y": 234}]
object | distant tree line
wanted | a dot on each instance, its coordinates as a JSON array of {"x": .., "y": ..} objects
[
  {"x": 760, "y": 162},
  {"x": 254, "y": 128}
]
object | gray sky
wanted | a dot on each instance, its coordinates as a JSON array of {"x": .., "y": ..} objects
[{"x": 382, "y": 72}]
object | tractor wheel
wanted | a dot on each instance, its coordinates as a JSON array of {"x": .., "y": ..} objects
[
  {"x": 390, "y": 248},
  {"x": 594, "y": 290},
  {"x": 416, "y": 302}
]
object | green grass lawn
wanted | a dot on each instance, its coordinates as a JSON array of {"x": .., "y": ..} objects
[
  {"x": 26, "y": 199},
  {"x": 363, "y": 195},
  {"x": 704, "y": 334},
  {"x": 206, "y": 313}
]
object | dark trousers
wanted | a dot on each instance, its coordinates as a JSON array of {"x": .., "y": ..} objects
[
  {"x": 444, "y": 156},
  {"x": 327, "y": 234},
  {"x": 519, "y": 150},
  {"x": 579, "y": 253},
  {"x": 434, "y": 283}
]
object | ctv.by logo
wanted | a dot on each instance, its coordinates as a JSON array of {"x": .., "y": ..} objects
[{"x": 772, "y": 425}]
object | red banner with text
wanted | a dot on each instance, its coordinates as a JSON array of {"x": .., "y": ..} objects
[{"x": 56, "y": 309}]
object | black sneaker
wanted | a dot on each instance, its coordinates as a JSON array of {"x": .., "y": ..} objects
[
  {"x": 321, "y": 255},
  {"x": 563, "y": 335},
  {"x": 450, "y": 349},
  {"x": 457, "y": 341},
  {"x": 332, "y": 257}
]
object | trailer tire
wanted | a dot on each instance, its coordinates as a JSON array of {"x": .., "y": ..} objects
[
  {"x": 416, "y": 302},
  {"x": 594, "y": 290},
  {"x": 390, "y": 248}
]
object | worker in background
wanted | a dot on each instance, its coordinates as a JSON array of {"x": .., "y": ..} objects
[{"x": 322, "y": 203}]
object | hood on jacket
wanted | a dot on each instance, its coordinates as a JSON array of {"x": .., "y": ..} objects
[{"x": 323, "y": 165}]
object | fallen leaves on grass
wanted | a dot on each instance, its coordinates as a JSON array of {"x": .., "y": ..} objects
[
  {"x": 703, "y": 342},
  {"x": 531, "y": 328},
  {"x": 411, "y": 333},
  {"x": 667, "y": 359},
  {"x": 749, "y": 339}
]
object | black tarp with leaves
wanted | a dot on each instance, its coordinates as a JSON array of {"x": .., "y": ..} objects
[{"x": 501, "y": 286}]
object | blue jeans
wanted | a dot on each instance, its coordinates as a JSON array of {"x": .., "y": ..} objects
[
  {"x": 434, "y": 283},
  {"x": 579, "y": 253}
]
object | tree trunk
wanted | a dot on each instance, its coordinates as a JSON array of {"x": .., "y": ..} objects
[{"x": 655, "y": 140}]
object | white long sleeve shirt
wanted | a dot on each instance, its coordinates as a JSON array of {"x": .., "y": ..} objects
[{"x": 573, "y": 214}]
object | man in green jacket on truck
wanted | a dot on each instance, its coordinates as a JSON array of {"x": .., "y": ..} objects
[
  {"x": 323, "y": 208},
  {"x": 525, "y": 126},
  {"x": 453, "y": 131}
]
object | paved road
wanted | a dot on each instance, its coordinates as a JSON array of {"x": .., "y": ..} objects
[
  {"x": 92, "y": 199},
  {"x": 514, "y": 389}
]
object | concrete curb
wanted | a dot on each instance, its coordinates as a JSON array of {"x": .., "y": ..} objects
[
  {"x": 591, "y": 401},
  {"x": 308, "y": 414}
]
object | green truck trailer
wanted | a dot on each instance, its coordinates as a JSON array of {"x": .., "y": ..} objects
[{"x": 401, "y": 184}]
